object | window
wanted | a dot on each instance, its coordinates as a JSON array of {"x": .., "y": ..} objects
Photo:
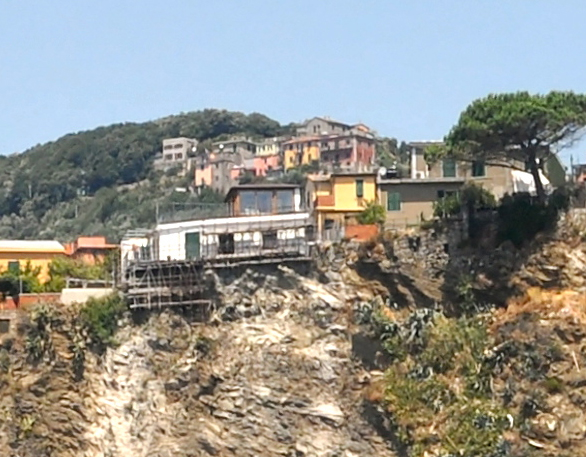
[
  {"x": 14, "y": 267},
  {"x": 449, "y": 168},
  {"x": 247, "y": 202},
  {"x": 360, "y": 188},
  {"x": 226, "y": 243},
  {"x": 478, "y": 169},
  {"x": 445, "y": 193},
  {"x": 177, "y": 146},
  {"x": 309, "y": 157},
  {"x": 264, "y": 200},
  {"x": 168, "y": 156},
  {"x": 348, "y": 142},
  {"x": 284, "y": 201},
  {"x": 270, "y": 240},
  {"x": 393, "y": 201}
]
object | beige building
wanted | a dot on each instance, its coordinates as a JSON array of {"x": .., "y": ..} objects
[
  {"x": 410, "y": 201},
  {"x": 176, "y": 152},
  {"x": 497, "y": 180}
]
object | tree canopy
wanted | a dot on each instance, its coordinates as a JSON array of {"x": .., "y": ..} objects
[
  {"x": 102, "y": 181},
  {"x": 517, "y": 130}
]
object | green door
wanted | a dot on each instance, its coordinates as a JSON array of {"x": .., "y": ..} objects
[{"x": 192, "y": 245}]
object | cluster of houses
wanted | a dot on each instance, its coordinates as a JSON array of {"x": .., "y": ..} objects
[
  {"x": 319, "y": 143},
  {"x": 274, "y": 220}
]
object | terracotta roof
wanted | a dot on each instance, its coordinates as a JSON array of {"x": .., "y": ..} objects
[{"x": 43, "y": 246}]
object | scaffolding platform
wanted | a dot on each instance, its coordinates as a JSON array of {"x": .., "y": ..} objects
[{"x": 154, "y": 284}]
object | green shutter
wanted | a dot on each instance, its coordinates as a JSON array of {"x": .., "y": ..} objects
[
  {"x": 192, "y": 245},
  {"x": 393, "y": 201},
  {"x": 449, "y": 168},
  {"x": 360, "y": 188}
]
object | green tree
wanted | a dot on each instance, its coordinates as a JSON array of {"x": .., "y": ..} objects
[
  {"x": 373, "y": 213},
  {"x": 505, "y": 129},
  {"x": 26, "y": 278}
]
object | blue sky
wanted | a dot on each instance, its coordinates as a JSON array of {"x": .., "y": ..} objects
[{"x": 407, "y": 68}]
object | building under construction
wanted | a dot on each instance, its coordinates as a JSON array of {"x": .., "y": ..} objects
[{"x": 257, "y": 224}]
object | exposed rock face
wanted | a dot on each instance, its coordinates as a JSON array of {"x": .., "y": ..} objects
[
  {"x": 281, "y": 369},
  {"x": 271, "y": 375}
]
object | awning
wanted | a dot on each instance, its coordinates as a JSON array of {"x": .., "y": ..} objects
[{"x": 523, "y": 182}]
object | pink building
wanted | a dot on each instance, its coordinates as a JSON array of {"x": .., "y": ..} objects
[{"x": 264, "y": 164}]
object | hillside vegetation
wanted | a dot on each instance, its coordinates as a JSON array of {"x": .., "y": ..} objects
[{"x": 102, "y": 180}]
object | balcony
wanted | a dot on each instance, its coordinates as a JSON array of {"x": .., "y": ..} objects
[{"x": 325, "y": 200}]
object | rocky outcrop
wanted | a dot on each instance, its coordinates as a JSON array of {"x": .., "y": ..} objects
[{"x": 271, "y": 374}]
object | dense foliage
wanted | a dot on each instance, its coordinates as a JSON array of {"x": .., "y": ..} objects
[
  {"x": 522, "y": 217},
  {"x": 99, "y": 320},
  {"x": 102, "y": 180},
  {"x": 432, "y": 415},
  {"x": 26, "y": 280}
]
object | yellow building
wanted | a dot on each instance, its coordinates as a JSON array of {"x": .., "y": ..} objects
[
  {"x": 300, "y": 151},
  {"x": 337, "y": 199},
  {"x": 15, "y": 254}
]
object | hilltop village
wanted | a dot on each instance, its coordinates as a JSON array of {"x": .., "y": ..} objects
[
  {"x": 341, "y": 192},
  {"x": 335, "y": 292}
]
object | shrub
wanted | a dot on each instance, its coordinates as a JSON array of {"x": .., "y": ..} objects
[
  {"x": 522, "y": 216},
  {"x": 62, "y": 268},
  {"x": 432, "y": 414},
  {"x": 374, "y": 213},
  {"x": 471, "y": 197},
  {"x": 447, "y": 206},
  {"x": 38, "y": 338},
  {"x": 99, "y": 319}
]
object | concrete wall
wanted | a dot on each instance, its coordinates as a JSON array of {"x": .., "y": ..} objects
[{"x": 70, "y": 296}]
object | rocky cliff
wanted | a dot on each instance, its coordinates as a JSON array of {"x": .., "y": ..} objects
[
  {"x": 360, "y": 357},
  {"x": 271, "y": 374}
]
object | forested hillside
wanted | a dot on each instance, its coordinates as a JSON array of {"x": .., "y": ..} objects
[{"x": 101, "y": 181}]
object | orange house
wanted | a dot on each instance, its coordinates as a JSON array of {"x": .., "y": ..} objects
[{"x": 89, "y": 249}]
